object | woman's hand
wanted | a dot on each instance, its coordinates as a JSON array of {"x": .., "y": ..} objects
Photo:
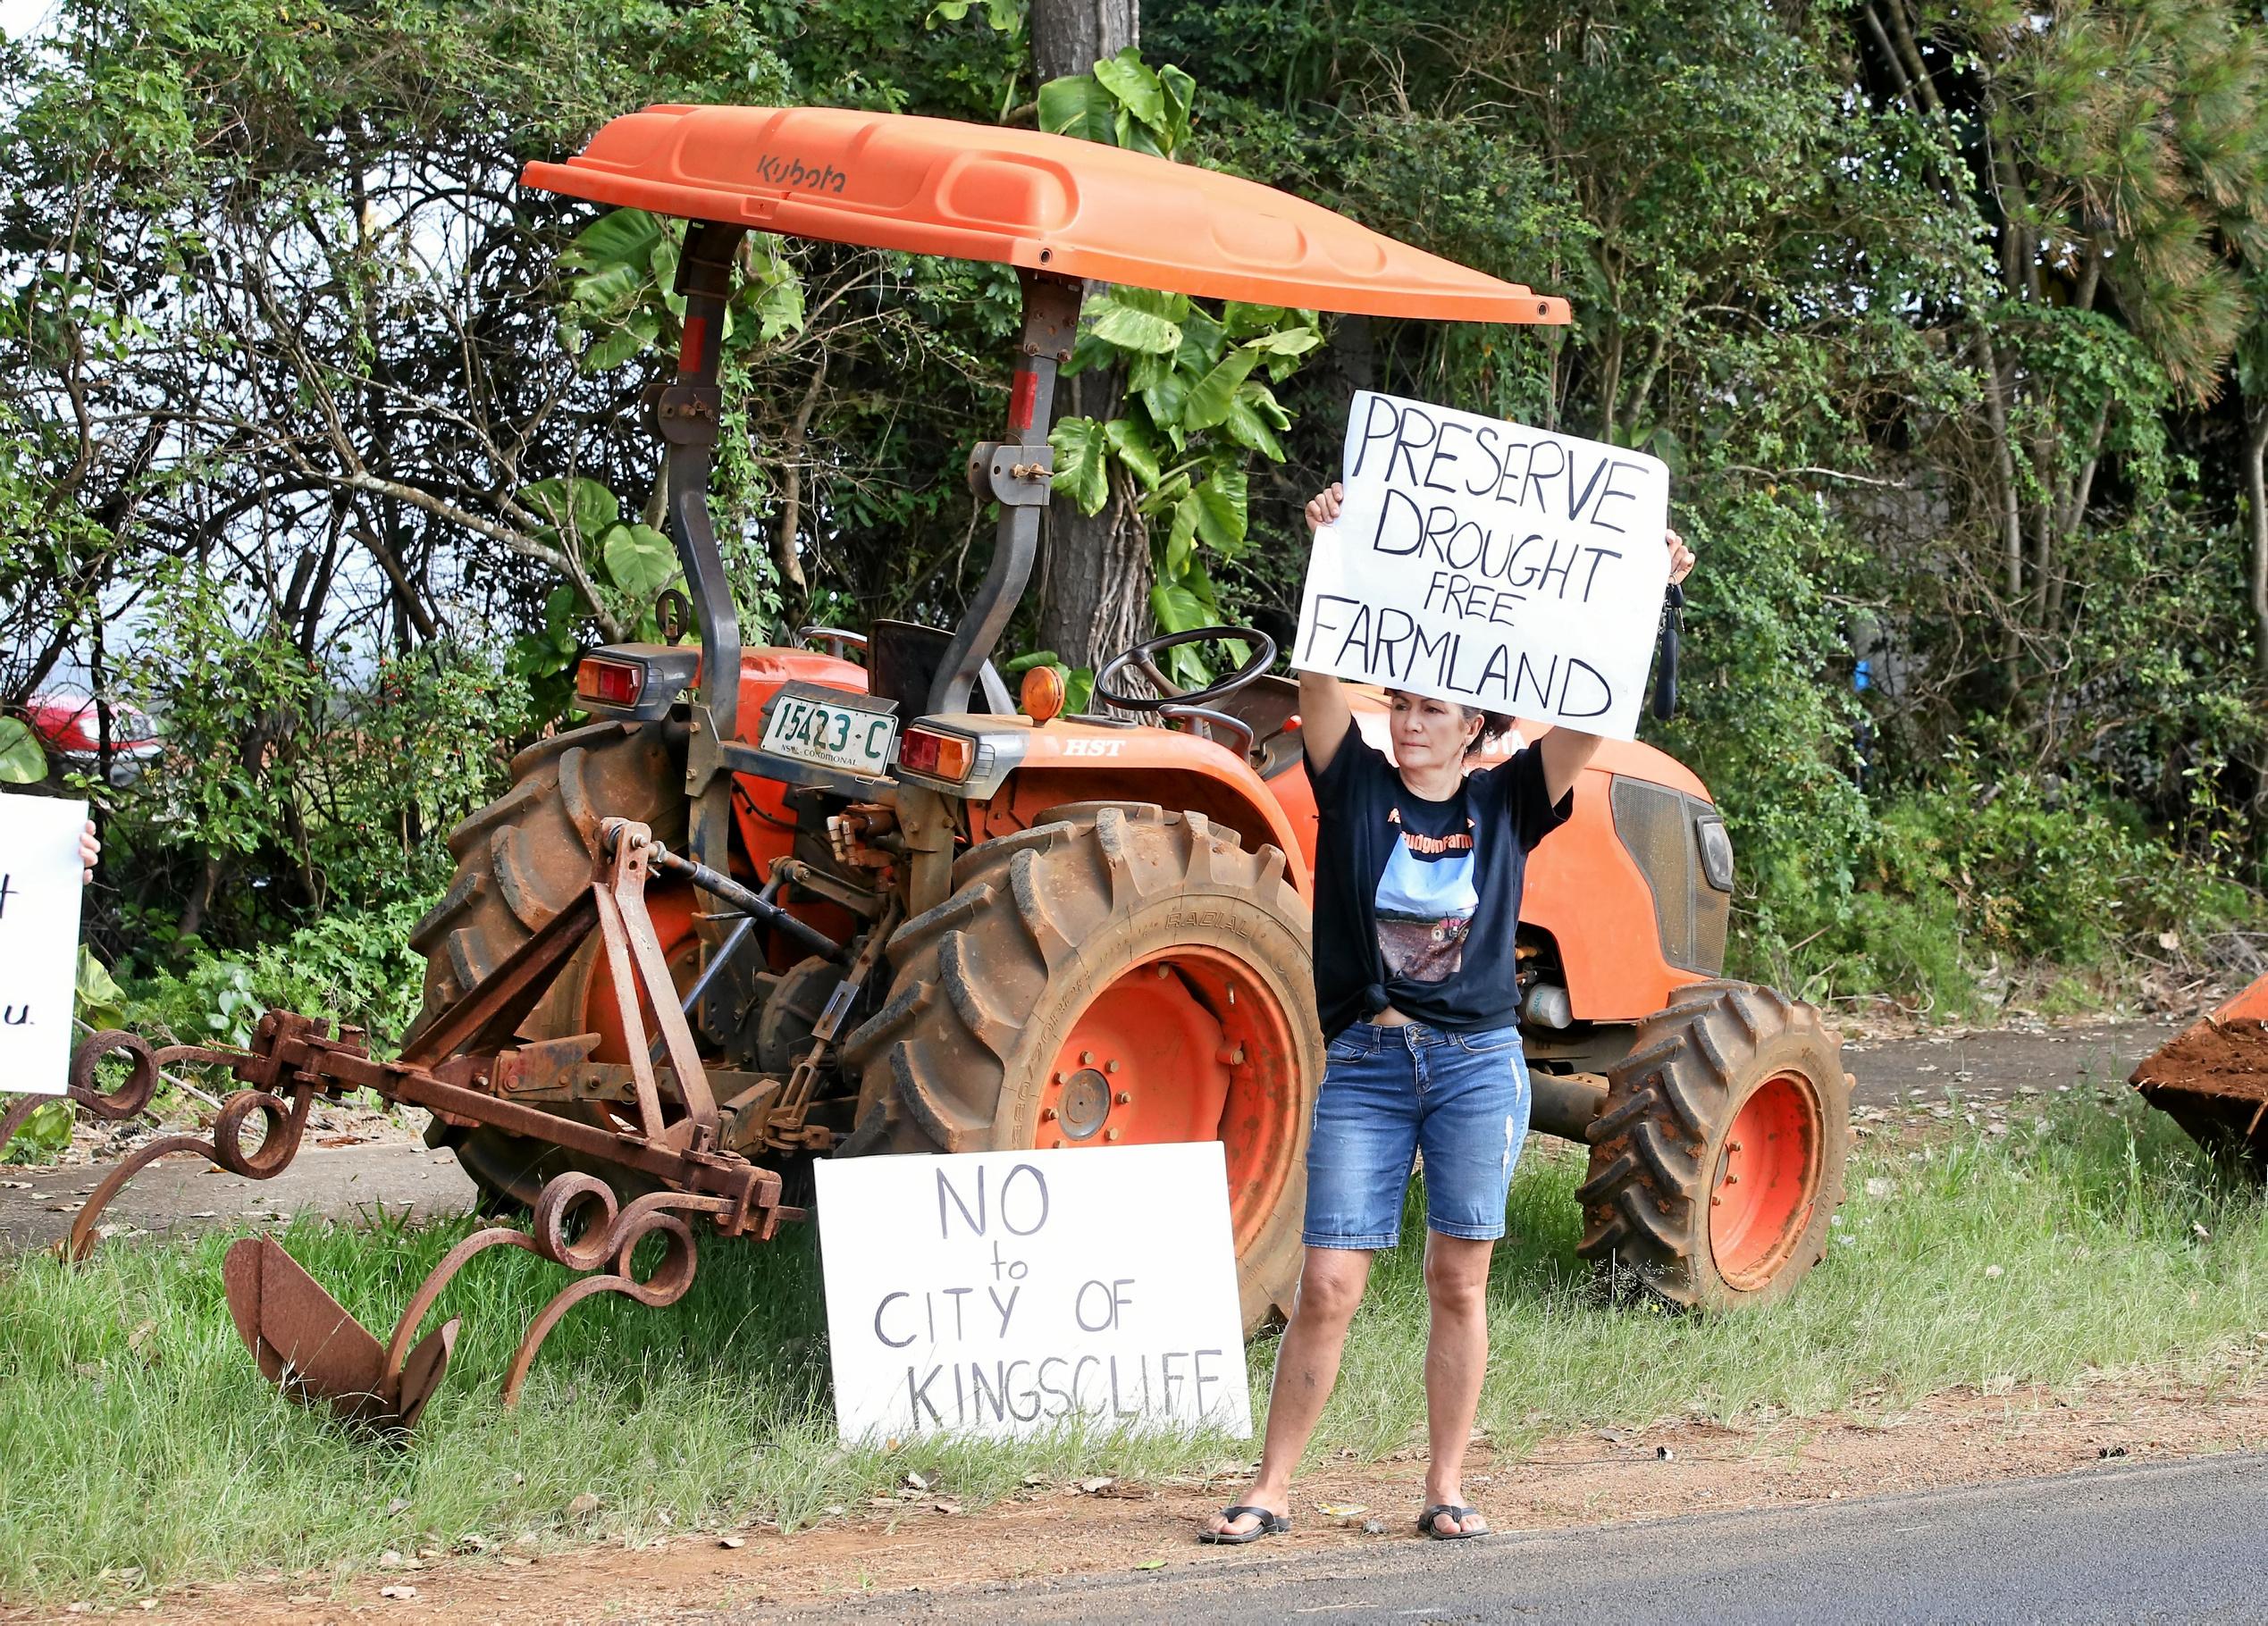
[
  {"x": 1681, "y": 558},
  {"x": 1322, "y": 508},
  {"x": 89, "y": 849}
]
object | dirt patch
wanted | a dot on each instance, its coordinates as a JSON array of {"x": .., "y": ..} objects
[
  {"x": 922, "y": 1542},
  {"x": 2212, "y": 1059}
]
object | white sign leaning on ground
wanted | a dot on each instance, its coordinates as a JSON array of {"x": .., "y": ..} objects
[
  {"x": 1005, "y": 1293},
  {"x": 1482, "y": 561},
  {"x": 39, "y": 888}
]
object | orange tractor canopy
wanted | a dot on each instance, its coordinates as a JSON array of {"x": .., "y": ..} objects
[{"x": 780, "y": 904}]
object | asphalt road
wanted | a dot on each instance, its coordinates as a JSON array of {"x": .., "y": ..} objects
[
  {"x": 2156, "y": 1542},
  {"x": 184, "y": 1195}
]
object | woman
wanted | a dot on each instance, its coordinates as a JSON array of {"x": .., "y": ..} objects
[{"x": 1418, "y": 869}]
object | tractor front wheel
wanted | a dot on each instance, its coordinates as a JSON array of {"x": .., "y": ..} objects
[
  {"x": 1115, "y": 976},
  {"x": 1717, "y": 1163}
]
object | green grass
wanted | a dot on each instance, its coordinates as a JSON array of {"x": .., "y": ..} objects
[{"x": 164, "y": 1457}]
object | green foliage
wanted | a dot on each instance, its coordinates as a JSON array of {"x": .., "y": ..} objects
[
  {"x": 356, "y": 966},
  {"x": 21, "y": 759}
]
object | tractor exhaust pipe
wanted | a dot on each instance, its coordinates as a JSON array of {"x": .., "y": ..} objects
[{"x": 1564, "y": 1103}]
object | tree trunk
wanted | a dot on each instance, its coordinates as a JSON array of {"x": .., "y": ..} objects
[
  {"x": 1093, "y": 596},
  {"x": 1071, "y": 36},
  {"x": 2256, "y": 500}
]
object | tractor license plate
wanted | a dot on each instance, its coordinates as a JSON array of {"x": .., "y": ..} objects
[{"x": 830, "y": 734}]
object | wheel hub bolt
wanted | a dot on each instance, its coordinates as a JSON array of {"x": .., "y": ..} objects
[
  {"x": 1087, "y": 1058},
  {"x": 1732, "y": 1146},
  {"x": 1125, "y": 1098},
  {"x": 1110, "y": 1066},
  {"x": 1732, "y": 1180},
  {"x": 1111, "y": 1134},
  {"x": 1047, "y": 1115}
]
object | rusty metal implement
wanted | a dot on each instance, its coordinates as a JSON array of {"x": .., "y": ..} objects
[{"x": 461, "y": 1065}]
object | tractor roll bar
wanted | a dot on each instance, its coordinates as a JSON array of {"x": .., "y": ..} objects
[
  {"x": 1019, "y": 473},
  {"x": 686, "y": 414}
]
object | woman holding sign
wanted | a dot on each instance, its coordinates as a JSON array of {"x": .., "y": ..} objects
[{"x": 1418, "y": 870}]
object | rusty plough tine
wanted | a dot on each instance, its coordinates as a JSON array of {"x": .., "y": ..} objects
[
  {"x": 312, "y": 1350},
  {"x": 122, "y": 1103},
  {"x": 284, "y": 1125}
]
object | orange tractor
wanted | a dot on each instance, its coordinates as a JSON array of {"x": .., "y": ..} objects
[{"x": 778, "y": 904}]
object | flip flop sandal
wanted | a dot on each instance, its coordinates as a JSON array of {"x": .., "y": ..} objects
[
  {"x": 1270, "y": 1524},
  {"x": 1426, "y": 1526}
]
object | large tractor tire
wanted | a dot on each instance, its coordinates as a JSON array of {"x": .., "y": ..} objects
[
  {"x": 1716, "y": 1164},
  {"x": 520, "y": 860},
  {"x": 1113, "y": 977}
]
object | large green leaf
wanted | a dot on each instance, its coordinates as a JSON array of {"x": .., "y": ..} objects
[
  {"x": 1285, "y": 341},
  {"x": 640, "y": 560},
  {"x": 618, "y": 238},
  {"x": 1125, "y": 325},
  {"x": 1177, "y": 608},
  {"x": 1249, "y": 424},
  {"x": 1130, "y": 440},
  {"x": 102, "y": 1002},
  {"x": 1221, "y": 509},
  {"x": 21, "y": 761},
  {"x": 1180, "y": 97},
  {"x": 1082, "y": 462},
  {"x": 1165, "y": 400},
  {"x": 641, "y": 328},
  {"x": 582, "y": 506},
  {"x": 1209, "y": 402},
  {"x": 1202, "y": 341},
  {"x": 1181, "y": 541},
  {"x": 1079, "y": 107},
  {"x": 1135, "y": 87}
]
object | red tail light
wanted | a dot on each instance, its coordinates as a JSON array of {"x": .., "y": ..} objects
[{"x": 610, "y": 683}]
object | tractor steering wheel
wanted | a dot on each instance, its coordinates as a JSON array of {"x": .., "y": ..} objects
[{"x": 1190, "y": 705}]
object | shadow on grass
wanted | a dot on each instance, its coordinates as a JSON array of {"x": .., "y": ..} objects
[{"x": 136, "y": 1436}]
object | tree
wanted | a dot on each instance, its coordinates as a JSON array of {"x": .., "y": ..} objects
[{"x": 1094, "y": 598}]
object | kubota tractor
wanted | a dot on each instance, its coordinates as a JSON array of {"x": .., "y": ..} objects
[{"x": 899, "y": 914}]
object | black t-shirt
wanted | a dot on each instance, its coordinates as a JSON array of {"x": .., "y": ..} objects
[{"x": 1416, "y": 901}]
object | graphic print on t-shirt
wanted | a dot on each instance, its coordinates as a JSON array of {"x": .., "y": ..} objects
[{"x": 1426, "y": 896}]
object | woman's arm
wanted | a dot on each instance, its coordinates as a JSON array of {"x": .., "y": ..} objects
[
  {"x": 1324, "y": 715},
  {"x": 1567, "y": 751}
]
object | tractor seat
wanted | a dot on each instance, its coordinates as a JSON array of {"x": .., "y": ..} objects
[{"x": 1265, "y": 705}]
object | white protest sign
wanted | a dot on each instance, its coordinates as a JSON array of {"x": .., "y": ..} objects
[
  {"x": 1482, "y": 561},
  {"x": 39, "y": 886},
  {"x": 1003, "y": 1293}
]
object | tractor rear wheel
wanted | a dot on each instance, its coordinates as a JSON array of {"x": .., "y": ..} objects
[
  {"x": 520, "y": 860},
  {"x": 1114, "y": 977},
  {"x": 1717, "y": 1163}
]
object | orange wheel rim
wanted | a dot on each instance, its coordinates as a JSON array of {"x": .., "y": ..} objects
[
  {"x": 1185, "y": 1046},
  {"x": 1768, "y": 1180}
]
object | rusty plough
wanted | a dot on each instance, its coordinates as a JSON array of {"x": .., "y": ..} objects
[{"x": 664, "y": 1127}]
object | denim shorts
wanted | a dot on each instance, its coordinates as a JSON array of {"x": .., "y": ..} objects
[{"x": 1461, "y": 1098}]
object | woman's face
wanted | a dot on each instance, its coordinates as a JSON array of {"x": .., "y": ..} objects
[{"x": 1430, "y": 734}]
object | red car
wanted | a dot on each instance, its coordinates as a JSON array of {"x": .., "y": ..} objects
[{"x": 68, "y": 726}]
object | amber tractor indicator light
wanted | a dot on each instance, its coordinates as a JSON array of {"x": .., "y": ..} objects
[
  {"x": 1041, "y": 696},
  {"x": 940, "y": 756}
]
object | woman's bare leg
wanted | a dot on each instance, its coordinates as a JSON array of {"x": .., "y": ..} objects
[
  {"x": 1456, "y": 1361},
  {"x": 1331, "y": 1287}
]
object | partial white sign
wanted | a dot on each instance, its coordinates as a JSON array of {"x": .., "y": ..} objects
[
  {"x": 1005, "y": 1293},
  {"x": 39, "y": 887},
  {"x": 1482, "y": 561}
]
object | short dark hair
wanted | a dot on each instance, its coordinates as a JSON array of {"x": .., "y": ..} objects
[{"x": 1494, "y": 727}]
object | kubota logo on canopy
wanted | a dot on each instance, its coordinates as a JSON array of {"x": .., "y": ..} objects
[{"x": 792, "y": 172}]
